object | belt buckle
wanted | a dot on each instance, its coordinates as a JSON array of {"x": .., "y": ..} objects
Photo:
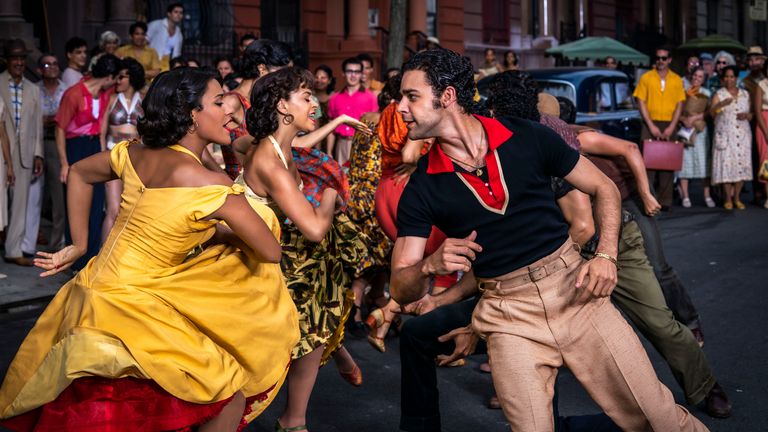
[
  {"x": 535, "y": 274},
  {"x": 480, "y": 286}
]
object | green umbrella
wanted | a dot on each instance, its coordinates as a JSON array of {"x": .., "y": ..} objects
[
  {"x": 713, "y": 42},
  {"x": 598, "y": 48}
]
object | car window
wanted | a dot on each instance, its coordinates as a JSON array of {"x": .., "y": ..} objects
[
  {"x": 624, "y": 99},
  {"x": 612, "y": 94},
  {"x": 558, "y": 89}
]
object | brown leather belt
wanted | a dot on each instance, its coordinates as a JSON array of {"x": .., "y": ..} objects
[{"x": 534, "y": 273}]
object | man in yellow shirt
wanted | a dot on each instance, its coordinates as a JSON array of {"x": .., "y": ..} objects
[
  {"x": 660, "y": 96},
  {"x": 139, "y": 50}
]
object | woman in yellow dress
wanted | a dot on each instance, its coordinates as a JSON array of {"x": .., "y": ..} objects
[{"x": 149, "y": 336}]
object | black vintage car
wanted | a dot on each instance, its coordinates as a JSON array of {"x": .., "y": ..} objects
[{"x": 603, "y": 97}]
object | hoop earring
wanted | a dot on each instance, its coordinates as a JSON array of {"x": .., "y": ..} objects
[
  {"x": 192, "y": 129},
  {"x": 288, "y": 119}
]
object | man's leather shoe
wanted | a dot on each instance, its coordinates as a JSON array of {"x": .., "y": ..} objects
[
  {"x": 22, "y": 261},
  {"x": 717, "y": 403}
]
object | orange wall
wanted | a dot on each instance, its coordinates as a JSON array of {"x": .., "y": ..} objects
[{"x": 326, "y": 43}]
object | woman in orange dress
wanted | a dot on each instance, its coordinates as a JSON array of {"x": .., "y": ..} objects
[{"x": 398, "y": 160}]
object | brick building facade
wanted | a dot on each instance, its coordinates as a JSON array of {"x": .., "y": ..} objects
[{"x": 327, "y": 31}]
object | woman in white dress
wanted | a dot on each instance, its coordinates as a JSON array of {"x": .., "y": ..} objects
[
  {"x": 732, "y": 154},
  {"x": 696, "y": 157}
]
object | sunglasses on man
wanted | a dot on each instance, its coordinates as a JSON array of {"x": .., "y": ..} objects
[{"x": 662, "y": 58}]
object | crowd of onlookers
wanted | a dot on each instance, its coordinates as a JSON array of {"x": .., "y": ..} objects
[
  {"x": 719, "y": 112},
  {"x": 717, "y": 109}
]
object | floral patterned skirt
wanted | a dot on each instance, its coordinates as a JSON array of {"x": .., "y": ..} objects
[{"x": 364, "y": 175}]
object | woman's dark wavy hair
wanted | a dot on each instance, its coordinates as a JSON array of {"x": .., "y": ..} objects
[
  {"x": 262, "y": 118},
  {"x": 331, "y": 79},
  {"x": 444, "y": 68},
  {"x": 264, "y": 52},
  {"x": 514, "y": 94},
  {"x": 390, "y": 92},
  {"x": 732, "y": 68},
  {"x": 169, "y": 103},
  {"x": 135, "y": 72}
]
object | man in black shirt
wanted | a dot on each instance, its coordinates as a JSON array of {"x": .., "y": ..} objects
[{"x": 486, "y": 184}]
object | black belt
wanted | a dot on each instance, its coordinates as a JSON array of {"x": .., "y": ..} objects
[{"x": 591, "y": 246}]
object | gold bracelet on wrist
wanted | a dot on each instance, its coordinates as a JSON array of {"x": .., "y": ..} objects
[{"x": 608, "y": 257}]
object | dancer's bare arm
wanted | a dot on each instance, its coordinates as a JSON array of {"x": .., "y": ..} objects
[
  {"x": 411, "y": 271},
  {"x": 599, "y": 144},
  {"x": 466, "y": 287},
  {"x": 313, "y": 222},
  {"x": 313, "y": 138},
  {"x": 82, "y": 176},
  {"x": 577, "y": 210},
  {"x": 601, "y": 272}
]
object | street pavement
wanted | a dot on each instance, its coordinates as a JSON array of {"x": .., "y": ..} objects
[{"x": 719, "y": 255}]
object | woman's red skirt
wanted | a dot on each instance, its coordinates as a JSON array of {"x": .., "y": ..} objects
[
  {"x": 94, "y": 404},
  {"x": 387, "y": 197}
]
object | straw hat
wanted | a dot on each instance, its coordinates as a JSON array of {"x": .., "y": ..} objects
[
  {"x": 755, "y": 51},
  {"x": 548, "y": 104}
]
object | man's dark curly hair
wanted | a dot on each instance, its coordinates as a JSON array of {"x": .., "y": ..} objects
[
  {"x": 106, "y": 65},
  {"x": 169, "y": 103},
  {"x": 514, "y": 94},
  {"x": 135, "y": 72},
  {"x": 390, "y": 92},
  {"x": 445, "y": 68},
  {"x": 262, "y": 118},
  {"x": 265, "y": 52}
]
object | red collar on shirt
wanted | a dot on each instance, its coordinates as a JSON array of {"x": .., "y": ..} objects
[{"x": 497, "y": 133}]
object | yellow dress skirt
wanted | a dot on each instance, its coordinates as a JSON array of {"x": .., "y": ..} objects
[{"x": 148, "y": 336}]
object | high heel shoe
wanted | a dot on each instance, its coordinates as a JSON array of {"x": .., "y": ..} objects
[
  {"x": 375, "y": 322},
  {"x": 355, "y": 377}
]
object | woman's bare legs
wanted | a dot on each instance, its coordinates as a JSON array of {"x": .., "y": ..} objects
[
  {"x": 728, "y": 192},
  {"x": 229, "y": 417},
  {"x": 684, "y": 188},
  {"x": 114, "y": 189},
  {"x": 301, "y": 380},
  {"x": 345, "y": 363},
  {"x": 737, "y": 191},
  {"x": 358, "y": 287}
]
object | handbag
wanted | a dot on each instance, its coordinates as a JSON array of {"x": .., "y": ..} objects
[
  {"x": 663, "y": 155},
  {"x": 763, "y": 174}
]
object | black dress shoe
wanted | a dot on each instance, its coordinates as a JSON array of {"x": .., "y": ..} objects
[{"x": 717, "y": 403}]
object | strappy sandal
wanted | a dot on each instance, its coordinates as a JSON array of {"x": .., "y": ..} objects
[
  {"x": 375, "y": 322},
  {"x": 280, "y": 428}
]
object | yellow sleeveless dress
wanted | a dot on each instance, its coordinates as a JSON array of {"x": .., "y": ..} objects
[{"x": 202, "y": 327}]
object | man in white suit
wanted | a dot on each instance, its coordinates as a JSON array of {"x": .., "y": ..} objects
[{"x": 23, "y": 121}]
